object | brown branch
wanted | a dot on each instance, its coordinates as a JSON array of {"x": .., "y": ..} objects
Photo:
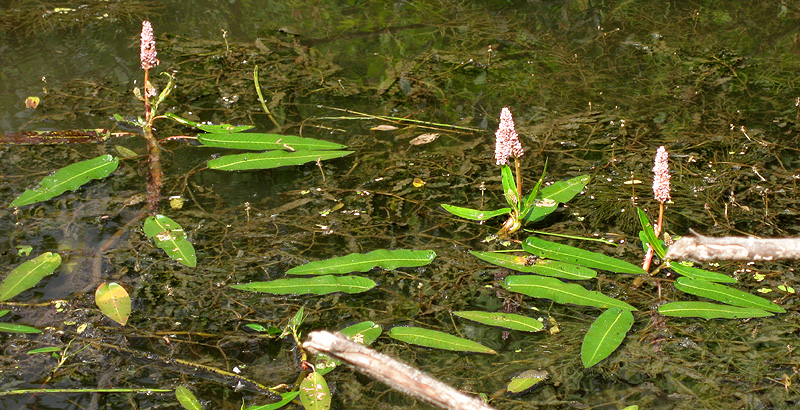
[
  {"x": 392, "y": 372},
  {"x": 732, "y": 248}
]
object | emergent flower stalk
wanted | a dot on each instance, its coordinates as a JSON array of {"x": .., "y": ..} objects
[
  {"x": 507, "y": 145},
  {"x": 147, "y": 56}
]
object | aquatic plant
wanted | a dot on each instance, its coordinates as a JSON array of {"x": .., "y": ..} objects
[
  {"x": 541, "y": 202},
  {"x": 276, "y": 151}
]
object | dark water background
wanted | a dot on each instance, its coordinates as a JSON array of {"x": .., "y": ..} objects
[{"x": 595, "y": 88}]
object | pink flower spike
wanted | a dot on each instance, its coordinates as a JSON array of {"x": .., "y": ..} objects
[
  {"x": 147, "y": 53},
  {"x": 506, "y": 139},
  {"x": 661, "y": 178}
]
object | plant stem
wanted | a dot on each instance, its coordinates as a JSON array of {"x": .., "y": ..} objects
[
  {"x": 154, "y": 174},
  {"x": 519, "y": 182}
]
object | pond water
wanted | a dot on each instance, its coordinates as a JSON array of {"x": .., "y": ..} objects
[{"x": 595, "y": 88}]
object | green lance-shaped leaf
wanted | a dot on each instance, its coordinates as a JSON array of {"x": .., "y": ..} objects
[
  {"x": 318, "y": 285},
  {"x": 437, "y": 340},
  {"x": 258, "y": 141},
  {"x": 724, "y": 294},
  {"x": 504, "y": 320},
  {"x": 605, "y": 335},
  {"x": 526, "y": 381},
  {"x": 187, "y": 399},
  {"x": 286, "y": 398},
  {"x": 708, "y": 310},
  {"x": 571, "y": 254},
  {"x": 539, "y": 266},
  {"x": 170, "y": 237},
  {"x": 314, "y": 392},
  {"x": 215, "y": 128},
  {"x": 563, "y": 191},
  {"x": 68, "y": 178},
  {"x": 271, "y": 159},
  {"x": 560, "y": 292},
  {"x": 697, "y": 273},
  {"x": 363, "y": 262},
  {"x": 114, "y": 301},
  {"x": 650, "y": 234},
  {"x": 28, "y": 274},
  {"x": 12, "y": 328},
  {"x": 474, "y": 214}
]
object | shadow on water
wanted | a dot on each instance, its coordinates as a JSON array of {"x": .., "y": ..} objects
[{"x": 595, "y": 89}]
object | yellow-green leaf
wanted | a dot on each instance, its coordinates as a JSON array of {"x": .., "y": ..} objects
[
  {"x": 725, "y": 294},
  {"x": 532, "y": 264},
  {"x": 271, "y": 159},
  {"x": 314, "y": 392},
  {"x": 571, "y": 254},
  {"x": 114, "y": 302}
]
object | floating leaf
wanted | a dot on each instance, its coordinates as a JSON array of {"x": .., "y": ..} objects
[
  {"x": 170, "y": 237},
  {"x": 51, "y": 349},
  {"x": 724, "y": 294},
  {"x": 504, "y": 320},
  {"x": 697, "y": 273},
  {"x": 542, "y": 208},
  {"x": 571, "y": 254},
  {"x": 258, "y": 141},
  {"x": 363, "y": 332},
  {"x": 560, "y": 292},
  {"x": 474, "y": 214},
  {"x": 314, "y": 392},
  {"x": 187, "y": 399},
  {"x": 437, "y": 340},
  {"x": 32, "y": 102},
  {"x": 12, "y": 328},
  {"x": 563, "y": 191},
  {"x": 28, "y": 274},
  {"x": 318, "y": 285},
  {"x": 286, "y": 398},
  {"x": 220, "y": 128},
  {"x": 709, "y": 310},
  {"x": 539, "y": 266},
  {"x": 68, "y": 178},
  {"x": 650, "y": 234},
  {"x": 114, "y": 302},
  {"x": 605, "y": 335},
  {"x": 363, "y": 262},
  {"x": 271, "y": 159},
  {"x": 526, "y": 381}
]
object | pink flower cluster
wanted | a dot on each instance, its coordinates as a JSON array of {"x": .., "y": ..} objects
[
  {"x": 506, "y": 139},
  {"x": 147, "y": 51},
  {"x": 661, "y": 178}
]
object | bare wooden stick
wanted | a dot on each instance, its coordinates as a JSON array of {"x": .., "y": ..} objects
[
  {"x": 392, "y": 372},
  {"x": 733, "y": 248}
]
